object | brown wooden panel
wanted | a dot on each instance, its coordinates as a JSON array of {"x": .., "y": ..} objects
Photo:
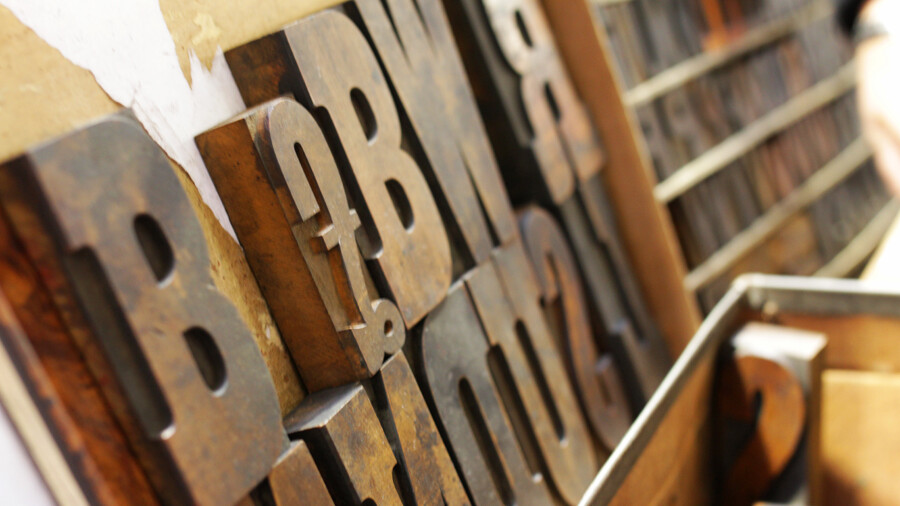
[
  {"x": 860, "y": 342},
  {"x": 116, "y": 242},
  {"x": 284, "y": 195},
  {"x": 859, "y": 437},
  {"x": 683, "y": 441},
  {"x": 62, "y": 384}
]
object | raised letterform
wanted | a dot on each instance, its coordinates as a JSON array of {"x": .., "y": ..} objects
[
  {"x": 455, "y": 357},
  {"x": 285, "y": 197},
  {"x": 409, "y": 426},
  {"x": 594, "y": 374},
  {"x": 532, "y": 377},
  {"x": 326, "y": 63},
  {"x": 381, "y": 449},
  {"x": 412, "y": 38},
  {"x": 541, "y": 127},
  {"x": 106, "y": 222}
]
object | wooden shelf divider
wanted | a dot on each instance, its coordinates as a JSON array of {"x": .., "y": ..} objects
[
  {"x": 826, "y": 178},
  {"x": 739, "y": 144},
  {"x": 704, "y": 63}
]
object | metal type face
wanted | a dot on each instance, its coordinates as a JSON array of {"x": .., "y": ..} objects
[
  {"x": 285, "y": 197},
  {"x": 109, "y": 228},
  {"x": 458, "y": 372},
  {"x": 594, "y": 373},
  {"x": 327, "y": 64},
  {"x": 531, "y": 375}
]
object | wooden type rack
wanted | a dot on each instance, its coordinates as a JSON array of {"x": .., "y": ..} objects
[{"x": 759, "y": 189}]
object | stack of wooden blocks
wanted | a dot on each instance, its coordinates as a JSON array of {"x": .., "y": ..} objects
[{"x": 463, "y": 258}]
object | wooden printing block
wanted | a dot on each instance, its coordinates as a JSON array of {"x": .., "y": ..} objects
[
  {"x": 325, "y": 62},
  {"x": 614, "y": 295},
  {"x": 539, "y": 128},
  {"x": 458, "y": 366},
  {"x": 530, "y": 374},
  {"x": 415, "y": 44},
  {"x": 283, "y": 192},
  {"x": 385, "y": 450},
  {"x": 594, "y": 374},
  {"x": 295, "y": 479},
  {"x": 108, "y": 227},
  {"x": 43, "y": 350}
]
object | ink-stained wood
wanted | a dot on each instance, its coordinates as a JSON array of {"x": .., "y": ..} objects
[
  {"x": 414, "y": 436},
  {"x": 647, "y": 232},
  {"x": 415, "y": 44},
  {"x": 537, "y": 125},
  {"x": 384, "y": 446},
  {"x": 533, "y": 383},
  {"x": 549, "y": 153},
  {"x": 458, "y": 370},
  {"x": 284, "y": 194},
  {"x": 63, "y": 385},
  {"x": 234, "y": 278},
  {"x": 296, "y": 480},
  {"x": 124, "y": 258},
  {"x": 592, "y": 369},
  {"x": 343, "y": 433},
  {"x": 616, "y": 300},
  {"x": 778, "y": 419},
  {"x": 326, "y": 63},
  {"x": 37, "y": 433}
]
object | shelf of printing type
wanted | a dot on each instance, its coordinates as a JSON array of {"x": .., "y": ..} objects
[{"x": 821, "y": 94}]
